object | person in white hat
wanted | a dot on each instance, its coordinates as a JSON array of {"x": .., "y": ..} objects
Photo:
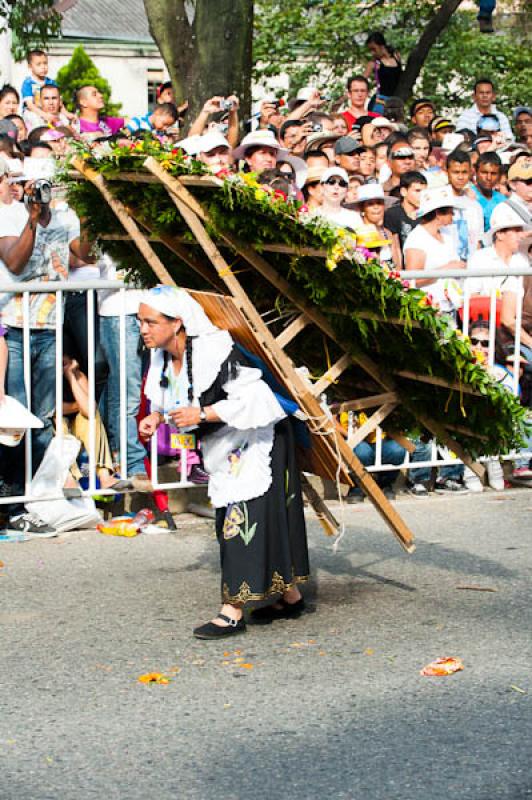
[
  {"x": 214, "y": 151},
  {"x": 426, "y": 248},
  {"x": 261, "y": 151},
  {"x": 334, "y": 183},
  {"x": 370, "y": 204},
  {"x": 506, "y": 231}
]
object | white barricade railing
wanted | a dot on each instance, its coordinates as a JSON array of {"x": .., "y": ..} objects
[{"x": 61, "y": 288}]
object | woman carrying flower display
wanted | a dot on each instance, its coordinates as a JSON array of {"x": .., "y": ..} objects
[{"x": 198, "y": 379}]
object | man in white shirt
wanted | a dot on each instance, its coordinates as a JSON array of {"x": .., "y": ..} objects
[
  {"x": 505, "y": 233},
  {"x": 467, "y": 227},
  {"x": 484, "y": 103},
  {"x": 520, "y": 182}
]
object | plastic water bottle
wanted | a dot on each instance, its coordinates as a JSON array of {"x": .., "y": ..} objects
[
  {"x": 84, "y": 469},
  {"x": 143, "y": 517}
]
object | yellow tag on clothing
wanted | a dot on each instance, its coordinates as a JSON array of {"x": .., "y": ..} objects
[{"x": 186, "y": 441}]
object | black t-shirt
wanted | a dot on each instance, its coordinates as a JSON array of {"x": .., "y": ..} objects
[{"x": 398, "y": 221}]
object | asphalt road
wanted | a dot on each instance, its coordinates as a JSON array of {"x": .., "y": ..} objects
[{"x": 329, "y": 706}]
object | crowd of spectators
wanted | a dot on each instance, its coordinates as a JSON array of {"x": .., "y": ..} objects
[{"x": 422, "y": 188}]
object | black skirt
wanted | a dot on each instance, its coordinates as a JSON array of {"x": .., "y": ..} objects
[{"x": 263, "y": 541}]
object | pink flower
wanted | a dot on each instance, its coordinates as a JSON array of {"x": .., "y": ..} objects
[{"x": 406, "y": 284}]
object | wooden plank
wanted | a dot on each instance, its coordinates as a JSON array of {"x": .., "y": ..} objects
[
  {"x": 441, "y": 434},
  {"x": 131, "y": 227},
  {"x": 319, "y": 422},
  {"x": 328, "y": 521},
  {"x": 401, "y": 439},
  {"x": 434, "y": 381},
  {"x": 365, "y": 402},
  {"x": 371, "y": 424},
  {"x": 331, "y": 375},
  {"x": 268, "y": 272},
  {"x": 291, "y": 331}
]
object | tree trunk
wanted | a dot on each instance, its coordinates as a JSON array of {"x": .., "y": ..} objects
[
  {"x": 206, "y": 46},
  {"x": 419, "y": 54}
]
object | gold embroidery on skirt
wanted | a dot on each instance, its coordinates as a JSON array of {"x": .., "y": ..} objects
[{"x": 245, "y": 595}]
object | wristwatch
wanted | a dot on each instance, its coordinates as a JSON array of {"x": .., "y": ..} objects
[{"x": 202, "y": 415}]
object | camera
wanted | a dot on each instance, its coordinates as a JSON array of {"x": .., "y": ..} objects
[
  {"x": 39, "y": 192},
  {"x": 317, "y": 127},
  {"x": 226, "y": 105}
]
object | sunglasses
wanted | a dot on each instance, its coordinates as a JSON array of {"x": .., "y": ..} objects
[
  {"x": 475, "y": 341},
  {"x": 337, "y": 182}
]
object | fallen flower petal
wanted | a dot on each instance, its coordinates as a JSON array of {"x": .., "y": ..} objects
[
  {"x": 442, "y": 666},
  {"x": 153, "y": 677}
]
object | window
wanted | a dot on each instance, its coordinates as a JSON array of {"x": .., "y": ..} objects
[{"x": 155, "y": 78}]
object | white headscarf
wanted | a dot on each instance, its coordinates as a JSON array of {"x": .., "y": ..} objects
[{"x": 210, "y": 345}]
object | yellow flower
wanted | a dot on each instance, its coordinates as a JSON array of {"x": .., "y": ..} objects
[
  {"x": 235, "y": 515},
  {"x": 153, "y": 677}
]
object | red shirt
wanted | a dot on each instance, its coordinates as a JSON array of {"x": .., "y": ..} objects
[{"x": 350, "y": 119}]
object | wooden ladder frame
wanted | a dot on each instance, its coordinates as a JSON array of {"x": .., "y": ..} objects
[{"x": 334, "y": 445}]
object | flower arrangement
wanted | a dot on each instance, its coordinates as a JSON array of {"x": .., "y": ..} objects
[{"x": 372, "y": 310}]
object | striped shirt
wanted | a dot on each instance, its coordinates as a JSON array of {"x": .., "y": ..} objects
[{"x": 135, "y": 124}]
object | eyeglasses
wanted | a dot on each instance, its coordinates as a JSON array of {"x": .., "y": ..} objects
[
  {"x": 483, "y": 342},
  {"x": 337, "y": 182}
]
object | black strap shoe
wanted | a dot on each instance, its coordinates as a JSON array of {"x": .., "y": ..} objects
[{"x": 212, "y": 631}]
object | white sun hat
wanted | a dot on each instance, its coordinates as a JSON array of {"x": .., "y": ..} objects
[
  {"x": 261, "y": 138},
  {"x": 210, "y": 141},
  {"x": 15, "y": 419},
  {"x": 436, "y": 197},
  {"x": 503, "y": 216}
]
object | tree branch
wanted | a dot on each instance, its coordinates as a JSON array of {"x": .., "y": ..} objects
[{"x": 419, "y": 54}]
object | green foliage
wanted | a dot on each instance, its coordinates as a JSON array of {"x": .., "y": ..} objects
[
  {"x": 325, "y": 42},
  {"x": 462, "y": 55},
  {"x": 32, "y": 23},
  {"x": 82, "y": 71},
  {"x": 344, "y": 287}
]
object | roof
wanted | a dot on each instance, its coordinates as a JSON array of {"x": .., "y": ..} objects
[{"x": 122, "y": 20}]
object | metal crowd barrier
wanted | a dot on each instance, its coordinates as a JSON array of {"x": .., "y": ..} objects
[{"x": 439, "y": 457}]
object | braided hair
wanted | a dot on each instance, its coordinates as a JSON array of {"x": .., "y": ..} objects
[{"x": 188, "y": 352}]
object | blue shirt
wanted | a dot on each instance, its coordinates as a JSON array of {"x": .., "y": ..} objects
[
  {"x": 488, "y": 204},
  {"x": 31, "y": 88},
  {"x": 140, "y": 123}
]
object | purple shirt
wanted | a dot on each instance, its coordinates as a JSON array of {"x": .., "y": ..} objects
[
  {"x": 106, "y": 125},
  {"x": 3, "y": 330}
]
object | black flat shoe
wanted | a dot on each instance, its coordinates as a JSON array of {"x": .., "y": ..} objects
[
  {"x": 263, "y": 616},
  {"x": 212, "y": 631}
]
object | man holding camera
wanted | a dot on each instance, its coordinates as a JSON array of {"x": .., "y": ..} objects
[{"x": 35, "y": 244}]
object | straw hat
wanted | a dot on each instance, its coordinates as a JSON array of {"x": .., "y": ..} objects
[
  {"x": 373, "y": 191},
  {"x": 369, "y": 237}
]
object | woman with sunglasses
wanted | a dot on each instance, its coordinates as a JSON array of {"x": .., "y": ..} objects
[
  {"x": 334, "y": 187},
  {"x": 198, "y": 379}
]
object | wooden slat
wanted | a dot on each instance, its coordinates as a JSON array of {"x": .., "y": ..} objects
[
  {"x": 365, "y": 402},
  {"x": 295, "y": 384},
  {"x": 131, "y": 227},
  {"x": 331, "y": 375},
  {"x": 328, "y": 521},
  {"x": 434, "y": 381},
  {"x": 371, "y": 424},
  {"x": 291, "y": 331}
]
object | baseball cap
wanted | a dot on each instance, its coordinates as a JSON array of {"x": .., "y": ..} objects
[
  {"x": 521, "y": 110},
  {"x": 484, "y": 137},
  {"x": 422, "y": 102},
  {"x": 488, "y": 122},
  {"x": 346, "y": 145},
  {"x": 402, "y": 152},
  {"x": 440, "y": 123},
  {"x": 210, "y": 141},
  {"x": 522, "y": 171}
]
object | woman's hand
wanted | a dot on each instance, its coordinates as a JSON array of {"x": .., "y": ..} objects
[
  {"x": 149, "y": 425},
  {"x": 185, "y": 417}
]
